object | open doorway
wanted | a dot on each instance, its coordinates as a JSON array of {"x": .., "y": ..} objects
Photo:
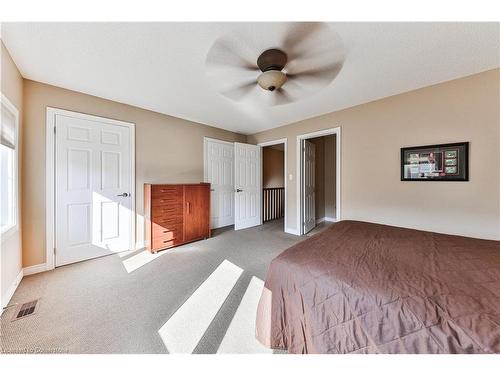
[
  {"x": 274, "y": 183},
  {"x": 319, "y": 163}
]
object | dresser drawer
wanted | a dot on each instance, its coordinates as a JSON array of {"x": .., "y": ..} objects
[
  {"x": 166, "y": 202},
  {"x": 168, "y": 220},
  {"x": 164, "y": 243},
  {"x": 169, "y": 231},
  {"x": 158, "y": 191},
  {"x": 167, "y": 211}
]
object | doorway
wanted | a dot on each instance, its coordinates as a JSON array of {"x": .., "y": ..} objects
[
  {"x": 318, "y": 182},
  {"x": 90, "y": 187}
]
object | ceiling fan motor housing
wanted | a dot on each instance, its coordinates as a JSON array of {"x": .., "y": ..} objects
[{"x": 271, "y": 62}]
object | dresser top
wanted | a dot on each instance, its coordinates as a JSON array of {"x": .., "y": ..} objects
[{"x": 191, "y": 183}]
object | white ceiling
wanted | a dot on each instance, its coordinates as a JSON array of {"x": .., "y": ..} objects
[{"x": 161, "y": 66}]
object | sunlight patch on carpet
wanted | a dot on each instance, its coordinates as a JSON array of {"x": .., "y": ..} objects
[
  {"x": 140, "y": 259},
  {"x": 183, "y": 331},
  {"x": 240, "y": 336}
]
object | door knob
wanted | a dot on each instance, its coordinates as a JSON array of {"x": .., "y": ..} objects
[
  {"x": 239, "y": 190},
  {"x": 123, "y": 195}
]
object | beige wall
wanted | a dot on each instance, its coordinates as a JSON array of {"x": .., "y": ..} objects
[
  {"x": 168, "y": 149},
  {"x": 465, "y": 109},
  {"x": 273, "y": 168},
  {"x": 11, "y": 256}
]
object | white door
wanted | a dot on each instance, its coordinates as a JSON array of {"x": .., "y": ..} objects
[
  {"x": 309, "y": 186},
  {"x": 93, "y": 202},
  {"x": 219, "y": 171},
  {"x": 247, "y": 181}
]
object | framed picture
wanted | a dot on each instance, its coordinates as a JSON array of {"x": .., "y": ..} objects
[{"x": 444, "y": 162}]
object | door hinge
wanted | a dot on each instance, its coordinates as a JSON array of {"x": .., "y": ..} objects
[
  {"x": 54, "y": 251},
  {"x": 54, "y": 130}
]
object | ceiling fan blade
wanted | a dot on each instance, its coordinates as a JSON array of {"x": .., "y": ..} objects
[
  {"x": 281, "y": 96},
  {"x": 318, "y": 55},
  {"x": 240, "y": 91},
  {"x": 319, "y": 52},
  {"x": 327, "y": 69},
  {"x": 297, "y": 34},
  {"x": 320, "y": 76},
  {"x": 224, "y": 53}
]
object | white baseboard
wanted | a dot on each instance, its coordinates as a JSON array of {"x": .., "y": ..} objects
[
  {"x": 292, "y": 231},
  {"x": 37, "y": 268},
  {"x": 10, "y": 292}
]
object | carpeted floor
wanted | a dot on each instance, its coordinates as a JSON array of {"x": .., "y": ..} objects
[{"x": 119, "y": 303}]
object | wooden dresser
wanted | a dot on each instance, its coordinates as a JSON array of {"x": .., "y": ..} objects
[{"x": 176, "y": 214}]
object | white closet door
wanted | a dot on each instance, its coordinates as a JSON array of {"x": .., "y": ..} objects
[
  {"x": 248, "y": 183},
  {"x": 93, "y": 202},
  {"x": 219, "y": 172},
  {"x": 309, "y": 186}
]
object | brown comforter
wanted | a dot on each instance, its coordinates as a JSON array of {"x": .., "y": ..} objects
[{"x": 368, "y": 288}]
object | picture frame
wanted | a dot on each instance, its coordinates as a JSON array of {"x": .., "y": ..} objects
[{"x": 440, "y": 162}]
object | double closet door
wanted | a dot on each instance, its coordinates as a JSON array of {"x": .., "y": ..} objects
[{"x": 234, "y": 172}]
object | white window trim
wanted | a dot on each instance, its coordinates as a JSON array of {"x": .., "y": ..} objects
[{"x": 9, "y": 232}]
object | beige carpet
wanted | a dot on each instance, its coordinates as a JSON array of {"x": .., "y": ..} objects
[{"x": 118, "y": 303}]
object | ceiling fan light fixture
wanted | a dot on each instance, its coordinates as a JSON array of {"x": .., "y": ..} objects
[{"x": 271, "y": 79}]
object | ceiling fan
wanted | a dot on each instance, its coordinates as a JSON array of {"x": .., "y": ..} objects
[{"x": 304, "y": 58}]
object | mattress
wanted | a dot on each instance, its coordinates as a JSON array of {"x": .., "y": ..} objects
[{"x": 361, "y": 287}]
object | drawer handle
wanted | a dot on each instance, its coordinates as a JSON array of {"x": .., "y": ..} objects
[{"x": 165, "y": 241}]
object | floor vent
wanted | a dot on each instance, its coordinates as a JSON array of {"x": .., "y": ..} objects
[{"x": 26, "y": 309}]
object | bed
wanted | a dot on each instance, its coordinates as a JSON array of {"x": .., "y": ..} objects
[{"x": 361, "y": 287}]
